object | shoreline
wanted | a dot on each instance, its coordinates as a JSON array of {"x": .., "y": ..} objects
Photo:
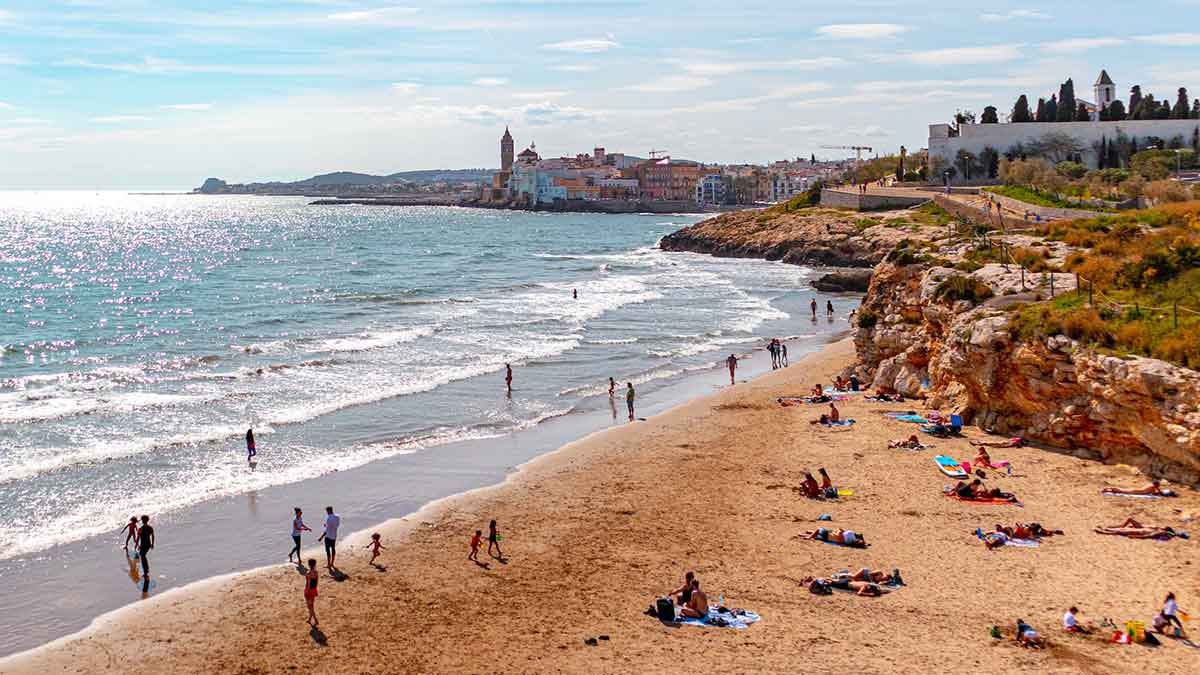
[{"x": 595, "y": 529}]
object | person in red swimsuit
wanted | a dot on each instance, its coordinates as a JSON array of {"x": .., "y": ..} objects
[{"x": 310, "y": 590}]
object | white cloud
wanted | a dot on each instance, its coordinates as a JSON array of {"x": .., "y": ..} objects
[
  {"x": 153, "y": 65},
  {"x": 752, "y": 102},
  {"x": 751, "y": 40},
  {"x": 372, "y": 15},
  {"x": 6, "y": 16},
  {"x": 405, "y": 87},
  {"x": 810, "y": 129},
  {"x": 964, "y": 55},
  {"x": 1076, "y": 45},
  {"x": 574, "y": 68},
  {"x": 490, "y": 82},
  {"x": 547, "y": 112},
  {"x": 870, "y": 131},
  {"x": 186, "y": 106},
  {"x": 1172, "y": 39},
  {"x": 592, "y": 46},
  {"x": 673, "y": 83},
  {"x": 120, "y": 119},
  {"x": 4, "y": 106},
  {"x": 736, "y": 66},
  {"x": 11, "y": 60},
  {"x": 862, "y": 31},
  {"x": 1015, "y": 14},
  {"x": 538, "y": 95}
]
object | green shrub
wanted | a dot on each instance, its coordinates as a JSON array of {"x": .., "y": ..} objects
[
  {"x": 956, "y": 287},
  {"x": 967, "y": 266},
  {"x": 867, "y": 318}
]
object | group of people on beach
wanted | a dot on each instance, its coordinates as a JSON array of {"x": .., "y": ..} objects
[
  {"x": 828, "y": 308},
  {"x": 493, "y": 544},
  {"x": 142, "y": 535},
  {"x": 329, "y": 536},
  {"x": 778, "y": 352}
]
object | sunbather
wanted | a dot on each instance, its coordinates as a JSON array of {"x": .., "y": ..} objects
[
  {"x": 826, "y": 483},
  {"x": 818, "y": 391},
  {"x": 1135, "y": 530},
  {"x": 697, "y": 605},
  {"x": 995, "y": 539},
  {"x": 864, "y": 574},
  {"x": 910, "y": 443},
  {"x": 810, "y": 488},
  {"x": 1151, "y": 489},
  {"x": 682, "y": 594},
  {"x": 838, "y": 536},
  {"x": 834, "y": 415},
  {"x": 977, "y": 490},
  {"x": 863, "y": 588},
  {"x": 840, "y": 384}
]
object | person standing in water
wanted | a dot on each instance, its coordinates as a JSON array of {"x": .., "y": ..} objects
[
  {"x": 311, "y": 577},
  {"x": 131, "y": 532},
  {"x": 508, "y": 377},
  {"x": 629, "y": 396},
  {"x": 813, "y": 305},
  {"x": 829, "y": 308},
  {"x": 251, "y": 451},
  {"x": 145, "y": 545},
  {"x": 612, "y": 387},
  {"x": 774, "y": 354},
  {"x": 298, "y": 526},
  {"x": 783, "y": 355},
  {"x": 574, "y": 294},
  {"x": 732, "y": 363}
]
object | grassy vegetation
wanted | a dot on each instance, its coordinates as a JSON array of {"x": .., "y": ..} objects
[
  {"x": 1140, "y": 265},
  {"x": 1031, "y": 196},
  {"x": 804, "y": 200},
  {"x": 955, "y": 288}
]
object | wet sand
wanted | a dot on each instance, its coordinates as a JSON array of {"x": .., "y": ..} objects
[{"x": 595, "y": 531}]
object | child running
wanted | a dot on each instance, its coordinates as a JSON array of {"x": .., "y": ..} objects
[
  {"x": 474, "y": 554},
  {"x": 375, "y": 547}
]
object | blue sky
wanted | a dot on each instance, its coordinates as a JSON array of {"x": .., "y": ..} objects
[{"x": 148, "y": 95}]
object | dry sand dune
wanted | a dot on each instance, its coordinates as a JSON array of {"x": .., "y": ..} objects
[{"x": 597, "y": 530}]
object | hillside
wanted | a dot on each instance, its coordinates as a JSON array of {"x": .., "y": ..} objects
[{"x": 349, "y": 180}]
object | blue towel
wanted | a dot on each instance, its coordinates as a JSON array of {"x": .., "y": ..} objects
[
  {"x": 912, "y": 418},
  {"x": 1118, "y": 494},
  {"x": 735, "y": 621},
  {"x": 840, "y": 423}
]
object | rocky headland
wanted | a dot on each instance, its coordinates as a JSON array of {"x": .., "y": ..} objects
[{"x": 941, "y": 322}]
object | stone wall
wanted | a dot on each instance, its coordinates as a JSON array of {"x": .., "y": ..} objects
[
  {"x": 1045, "y": 212},
  {"x": 852, "y": 199}
]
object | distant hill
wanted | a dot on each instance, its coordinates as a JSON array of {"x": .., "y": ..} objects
[{"x": 351, "y": 179}]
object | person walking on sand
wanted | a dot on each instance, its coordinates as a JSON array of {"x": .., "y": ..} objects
[
  {"x": 298, "y": 526},
  {"x": 494, "y": 541},
  {"x": 732, "y": 363},
  {"x": 329, "y": 536},
  {"x": 375, "y": 547},
  {"x": 629, "y": 396},
  {"x": 251, "y": 451},
  {"x": 771, "y": 349},
  {"x": 474, "y": 554},
  {"x": 311, "y": 577},
  {"x": 131, "y": 532},
  {"x": 508, "y": 377},
  {"x": 145, "y": 545},
  {"x": 612, "y": 387},
  {"x": 783, "y": 354},
  {"x": 813, "y": 305}
]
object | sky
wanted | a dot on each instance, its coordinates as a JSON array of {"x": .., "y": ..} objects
[{"x": 134, "y": 94}]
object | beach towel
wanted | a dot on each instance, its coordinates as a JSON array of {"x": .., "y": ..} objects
[
  {"x": 732, "y": 620},
  {"x": 838, "y": 543},
  {"x": 1009, "y": 443},
  {"x": 984, "y": 500},
  {"x": 1118, "y": 494},
  {"x": 1010, "y": 541},
  {"x": 912, "y": 418}
]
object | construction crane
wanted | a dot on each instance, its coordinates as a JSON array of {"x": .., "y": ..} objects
[
  {"x": 858, "y": 150},
  {"x": 655, "y": 153}
]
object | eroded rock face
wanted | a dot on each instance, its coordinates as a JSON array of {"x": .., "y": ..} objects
[
  {"x": 844, "y": 281},
  {"x": 1138, "y": 411}
]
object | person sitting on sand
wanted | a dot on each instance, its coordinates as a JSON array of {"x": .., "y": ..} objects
[
  {"x": 826, "y": 482},
  {"x": 1152, "y": 489},
  {"x": 683, "y": 594},
  {"x": 697, "y": 605},
  {"x": 977, "y": 490},
  {"x": 809, "y": 487},
  {"x": 838, "y": 536},
  {"x": 1135, "y": 530},
  {"x": 1027, "y": 636},
  {"x": 982, "y": 458},
  {"x": 834, "y": 415},
  {"x": 1071, "y": 624},
  {"x": 839, "y": 384}
]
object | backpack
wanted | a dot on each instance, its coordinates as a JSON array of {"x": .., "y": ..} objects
[
  {"x": 820, "y": 587},
  {"x": 665, "y": 609}
]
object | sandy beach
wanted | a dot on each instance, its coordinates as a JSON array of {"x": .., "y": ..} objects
[{"x": 594, "y": 532}]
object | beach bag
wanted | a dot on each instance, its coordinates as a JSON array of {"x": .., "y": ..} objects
[
  {"x": 819, "y": 587},
  {"x": 665, "y": 608}
]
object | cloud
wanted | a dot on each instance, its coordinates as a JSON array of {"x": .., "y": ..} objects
[
  {"x": 405, "y": 87},
  {"x": 1015, "y": 14},
  {"x": 869, "y": 131},
  {"x": 673, "y": 83},
  {"x": 735, "y": 66},
  {"x": 120, "y": 119},
  {"x": 574, "y": 68},
  {"x": 808, "y": 129},
  {"x": 11, "y": 60},
  {"x": 5, "y": 106},
  {"x": 187, "y": 106},
  {"x": 153, "y": 65},
  {"x": 862, "y": 31},
  {"x": 752, "y": 102},
  {"x": 964, "y": 55},
  {"x": 538, "y": 95},
  {"x": 490, "y": 82},
  {"x": 751, "y": 40},
  {"x": 593, "y": 46},
  {"x": 546, "y": 112},
  {"x": 6, "y": 16},
  {"x": 1172, "y": 39},
  {"x": 372, "y": 15},
  {"x": 1076, "y": 45}
]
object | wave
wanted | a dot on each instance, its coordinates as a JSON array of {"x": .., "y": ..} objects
[
  {"x": 699, "y": 347},
  {"x": 49, "y": 404},
  {"x": 346, "y": 343}
]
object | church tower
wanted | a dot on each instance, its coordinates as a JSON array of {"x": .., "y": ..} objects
[
  {"x": 506, "y": 150},
  {"x": 1106, "y": 91}
]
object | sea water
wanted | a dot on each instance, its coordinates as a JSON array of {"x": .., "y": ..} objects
[{"x": 141, "y": 335}]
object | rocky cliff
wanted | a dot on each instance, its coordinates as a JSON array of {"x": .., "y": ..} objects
[{"x": 961, "y": 354}]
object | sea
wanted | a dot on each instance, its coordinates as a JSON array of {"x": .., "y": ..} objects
[{"x": 142, "y": 335}]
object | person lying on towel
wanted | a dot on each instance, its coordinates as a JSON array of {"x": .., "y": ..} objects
[
  {"x": 1135, "y": 530},
  {"x": 838, "y": 536},
  {"x": 977, "y": 490},
  {"x": 1153, "y": 489},
  {"x": 910, "y": 443}
]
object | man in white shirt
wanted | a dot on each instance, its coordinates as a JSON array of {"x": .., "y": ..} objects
[
  {"x": 332, "y": 521},
  {"x": 1070, "y": 623}
]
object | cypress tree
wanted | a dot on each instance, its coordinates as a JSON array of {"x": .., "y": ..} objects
[
  {"x": 1052, "y": 109},
  {"x": 1196, "y": 140},
  {"x": 1066, "y": 101},
  {"x": 989, "y": 115},
  {"x": 1196, "y": 109},
  {"x": 1145, "y": 108},
  {"x": 1135, "y": 98},
  {"x": 1182, "y": 110},
  {"x": 1020, "y": 111},
  {"x": 1163, "y": 112},
  {"x": 1082, "y": 114},
  {"x": 1040, "y": 115},
  {"x": 1102, "y": 154},
  {"x": 1116, "y": 111}
]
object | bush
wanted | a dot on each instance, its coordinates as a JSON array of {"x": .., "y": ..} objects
[
  {"x": 901, "y": 256},
  {"x": 1182, "y": 348},
  {"x": 967, "y": 266},
  {"x": 1072, "y": 170},
  {"x": 1133, "y": 336},
  {"x": 1166, "y": 191},
  {"x": 1086, "y": 325},
  {"x": 867, "y": 318},
  {"x": 956, "y": 287}
]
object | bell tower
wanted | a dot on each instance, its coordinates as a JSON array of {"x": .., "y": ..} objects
[{"x": 506, "y": 150}]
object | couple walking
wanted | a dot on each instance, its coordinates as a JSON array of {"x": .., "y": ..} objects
[{"x": 143, "y": 536}]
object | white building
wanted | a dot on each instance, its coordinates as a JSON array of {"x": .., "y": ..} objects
[
  {"x": 784, "y": 186},
  {"x": 711, "y": 189}
]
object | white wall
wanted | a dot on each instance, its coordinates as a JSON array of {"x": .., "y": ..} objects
[{"x": 975, "y": 137}]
